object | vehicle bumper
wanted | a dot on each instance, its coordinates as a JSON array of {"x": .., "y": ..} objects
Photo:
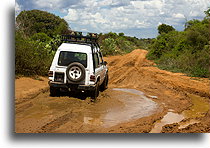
[{"x": 71, "y": 86}]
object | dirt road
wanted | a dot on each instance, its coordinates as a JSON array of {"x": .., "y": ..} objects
[{"x": 141, "y": 98}]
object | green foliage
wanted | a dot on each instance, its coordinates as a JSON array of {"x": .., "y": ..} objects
[
  {"x": 186, "y": 51},
  {"x": 191, "y": 23},
  {"x": 207, "y": 12},
  {"x": 109, "y": 46},
  {"x": 36, "y": 40},
  {"x": 31, "y": 57},
  {"x": 121, "y": 34},
  {"x": 36, "y": 21},
  {"x": 112, "y": 43},
  {"x": 163, "y": 28},
  {"x": 41, "y": 37}
]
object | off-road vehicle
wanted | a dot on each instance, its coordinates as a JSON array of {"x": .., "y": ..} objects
[{"x": 78, "y": 66}]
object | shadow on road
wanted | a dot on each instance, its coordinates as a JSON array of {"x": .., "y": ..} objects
[{"x": 78, "y": 95}]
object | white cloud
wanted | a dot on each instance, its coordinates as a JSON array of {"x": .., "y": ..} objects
[
  {"x": 48, "y": 3},
  {"x": 178, "y": 16},
  {"x": 17, "y": 8},
  {"x": 117, "y": 15},
  {"x": 155, "y": 4},
  {"x": 107, "y": 19},
  {"x": 72, "y": 15}
]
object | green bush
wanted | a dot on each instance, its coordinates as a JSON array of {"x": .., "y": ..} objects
[
  {"x": 125, "y": 45},
  {"x": 31, "y": 57},
  {"x": 113, "y": 43},
  {"x": 109, "y": 47},
  {"x": 186, "y": 51},
  {"x": 36, "y": 39},
  {"x": 163, "y": 28},
  {"x": 41, "y": 37},
  {"x": 201, "y": 67},
  {"x": 36, "y": 21}
]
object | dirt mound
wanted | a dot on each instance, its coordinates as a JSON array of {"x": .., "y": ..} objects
[
  {"x": 135, "y": 58},
  {"x": 125, "y": 70},
  {"x": 27, "y": 88}
]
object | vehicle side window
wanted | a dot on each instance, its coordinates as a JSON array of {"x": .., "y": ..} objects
[
  {"x": 100, "y": 58},
  {"x": 96, "y": 60}
]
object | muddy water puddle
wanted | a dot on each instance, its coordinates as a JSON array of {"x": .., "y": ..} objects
[
  {"x": 113, "y": 106},
  {"x": 198, "y": 109},
  {"x": 169, "y": 118},
  {"x": 133, "y": 105}
]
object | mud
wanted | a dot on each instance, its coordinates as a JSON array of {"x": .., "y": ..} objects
[
  {"x": 140, "y": 99},
  {"x": 169, "y": 118},
  {"x": 120, "y": 106},
  {"x": 199, "y": 107},
  {"x": 28, "y": 88},
  {"x": 134, "y": 105}
]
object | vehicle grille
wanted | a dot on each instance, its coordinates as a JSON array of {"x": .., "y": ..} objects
[{"x": 59, "y": 77}]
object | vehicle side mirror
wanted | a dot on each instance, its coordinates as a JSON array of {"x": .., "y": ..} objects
[{"x": 105, "y": 62}]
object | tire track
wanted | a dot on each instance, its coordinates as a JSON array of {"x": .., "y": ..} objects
[{"x": 51, "y": 126}]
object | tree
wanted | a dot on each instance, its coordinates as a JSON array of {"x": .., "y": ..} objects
[
  {"x": 121, "y": 34},
  {"x": 31, "y": 57},
  {"x": 191, "y": 23},
  {"x": 36, "y": 21},
  {"x": 207, "y": 12},
  {"x": 163, "y": 28},
  {"x": 41, "y": 37}
]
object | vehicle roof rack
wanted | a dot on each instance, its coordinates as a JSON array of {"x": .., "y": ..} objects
[{"x": 78, "y": 37}]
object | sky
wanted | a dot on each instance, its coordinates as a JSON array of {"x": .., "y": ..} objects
[{"x": 139, "y": 18}]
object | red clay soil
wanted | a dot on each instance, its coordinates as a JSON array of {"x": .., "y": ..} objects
[{"x": 37, "y": 112}]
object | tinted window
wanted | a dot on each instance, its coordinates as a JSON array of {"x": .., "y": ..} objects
[
  {"x": 100, "y": 58},
  {"x": 96, "y": 60},
  {"x": 66, "y": 58}
]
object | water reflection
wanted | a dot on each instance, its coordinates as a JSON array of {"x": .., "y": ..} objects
[{"x": 134, "y": 105}]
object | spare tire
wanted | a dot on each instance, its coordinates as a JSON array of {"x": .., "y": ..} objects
[{"x": 75, "y": 72}]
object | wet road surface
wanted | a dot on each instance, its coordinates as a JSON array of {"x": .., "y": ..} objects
[
  {"x": 61, "y": 114},
  {"x": 133, "y": 105}
]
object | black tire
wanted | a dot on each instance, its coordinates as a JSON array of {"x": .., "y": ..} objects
[
  {"x": 104, "y": 85},
  {"x": 54, "y": 92},
  {"x": 75, "y": 72},
  {"x": 95, "y": 93}
]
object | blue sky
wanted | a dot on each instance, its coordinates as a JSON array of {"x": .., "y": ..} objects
[{"x": 138, "y": 18}]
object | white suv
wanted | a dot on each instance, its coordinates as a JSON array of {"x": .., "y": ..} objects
[{"x": 78, "y": 65}]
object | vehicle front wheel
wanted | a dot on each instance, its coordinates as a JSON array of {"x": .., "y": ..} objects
[
  {"x": 95, "y": 93},
  {"x": 104, "y": 85}
]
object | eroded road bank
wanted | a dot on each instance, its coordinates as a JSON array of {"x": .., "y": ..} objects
[{"x": 140, "y": 98}]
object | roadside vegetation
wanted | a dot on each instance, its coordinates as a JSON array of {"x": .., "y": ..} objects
[
  {"x": 37, "y": 37},
  {"x": 114, "y": 44},
  {"x": 183, "y": 51}
]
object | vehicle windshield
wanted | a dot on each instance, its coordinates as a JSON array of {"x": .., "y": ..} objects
[{"x": 66, "y": 58}]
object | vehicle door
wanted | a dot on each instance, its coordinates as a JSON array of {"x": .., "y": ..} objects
[
  {"x": 103, "y": 67},
  {"x": 98, "y": 67}
]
